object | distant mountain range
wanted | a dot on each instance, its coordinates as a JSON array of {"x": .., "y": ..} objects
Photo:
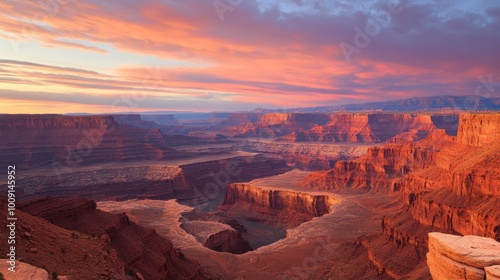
[{"x": 430, "y": 103}]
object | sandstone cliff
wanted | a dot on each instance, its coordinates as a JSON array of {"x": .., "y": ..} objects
[
  {"x": 60, "y": 251},
  {"x": 70, "y": 141},
  {"x": 152, "y": 181},
  {"x": 339, "y": 127},
  {"x": 274, "y": 206},
  {"x": 217, "y": 236},
  {"x": 445, "y": 183},
  {"x": 469, "y": 257},
  {"x": 141, "y": 249}
]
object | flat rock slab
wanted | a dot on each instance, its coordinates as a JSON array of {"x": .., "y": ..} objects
[
  {"x": 24, "y": 271},
  {"x": 473, "y": 251},
  {"x": 444, "y": 268}
]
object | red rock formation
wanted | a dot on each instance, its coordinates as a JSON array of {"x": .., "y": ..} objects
[
  {"x": 141, "y": 249},
  {"x": 308, "y": 156},
  {"x": 467, "y": 257},
  {"x": 186, "y": 182},
  {"x": 154, "y": 182},
  {"x": 228, "y": 240},
  {"x": 339, "y": 127},
  {"x": 217, "y": 236},
  {"x": 447, "y": 184},
  {"x": 61, "y": 251},
  {"x": 274, "y": 206},
  {"x": 479, "y": 129},
  {"x": 69, "y": 141}
]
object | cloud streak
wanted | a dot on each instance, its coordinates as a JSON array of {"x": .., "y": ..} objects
[{"x": 279, "y": 53}]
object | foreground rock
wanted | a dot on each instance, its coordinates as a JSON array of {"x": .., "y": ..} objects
[
  {"x": 456, "y": 257},
  {"x": 60, "y": 251},
  {"x": 24, "y": 271},
  {"x": 138, "y": 248}
]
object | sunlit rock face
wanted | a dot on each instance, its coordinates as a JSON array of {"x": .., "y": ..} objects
[
  {"x": 275, "y": 205},
  {"x": 468, "y": 257},
  {"x": 338, "y": 127},
  {"x": 479, "y": 129},
  {"x": 23, "y": 271},
  {"x": 445, "y": 183}
]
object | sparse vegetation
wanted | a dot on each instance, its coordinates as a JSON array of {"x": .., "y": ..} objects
[
  {"x": 74, "y": 235},
  {"x": 55, "y": 275}
]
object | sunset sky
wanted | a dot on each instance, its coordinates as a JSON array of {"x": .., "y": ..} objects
[{"x": 62, "y": 56}]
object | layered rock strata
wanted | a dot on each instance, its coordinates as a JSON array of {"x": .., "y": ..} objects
[
  {"x": 339, "y": 127},
  {"x": 69, "y": 141},
  {"x": 469, "y": 257},
  {"x": 217, "y": 236},
  {"x": 155, "y": 181},
  {"x": 274, "y": 206},
  {"x": 141, "y": 249},
  {"x": 444, "y": 183}
]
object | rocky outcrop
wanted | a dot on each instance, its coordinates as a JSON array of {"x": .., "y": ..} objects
[
  {"x": 339, "y": 127},
  {"x": 479, "y": 129},
  {"x": 153, "y": 181},
  {"x": 59, "y": 251},
  {"x": 217, "y": 236},
  {"x": 274, "y": 206},
  {"x": 228, "y": 240},
  {"x": 210, "y": 178},
  {"x": 308, "y": 156},
  {"x": 141, "y": 249},
  {"x": 23, "y": 271},
  {"x": 445, "y": 183},
  {"x": 456, "y": 257},
  {"x": 71, "y": 141}
]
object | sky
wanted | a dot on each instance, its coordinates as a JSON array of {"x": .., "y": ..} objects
[{"x": 73, "y": 56}]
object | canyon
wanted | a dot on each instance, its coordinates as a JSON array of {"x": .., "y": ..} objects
[{"x": 258, "y": 195}]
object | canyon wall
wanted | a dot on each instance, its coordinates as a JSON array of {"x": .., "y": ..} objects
[
  {"x": 140, "y": 249},
  {"x": 339, "y": 127},
  {"x": 154, "y": 181},
  {"x": 60, "y": 251},
  {"x": 274, "y": 206},
  {"x": 444, "y": 183},
  {"x": 228, "y": 240},
  {"x": 308, "y": 156},
  {"x": 68, "y": 141},
  {"x": 217, "y": 236},
  {"x": 479, "y": 129}
]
